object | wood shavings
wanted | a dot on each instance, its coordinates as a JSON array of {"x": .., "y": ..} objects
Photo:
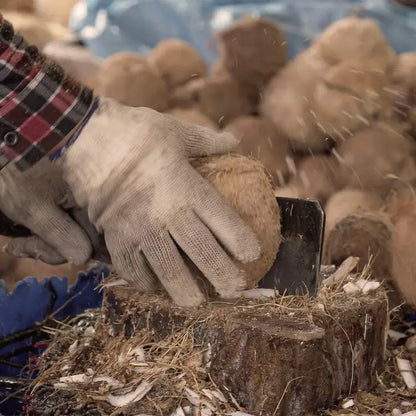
[
  {"x": 73, "y": 346},
  {"x": 411, "y": 344},
  {"x": 406, "y": 371},
  {"x": 259, "y": 293},
  {"x": 361, "y": 285},
  {"x": 395, "y": 335},
  {"x": 133, "y": 396},
  {"x": 178, "y": 412},
  {"x": 347, "y": 266},
  {"x": 64, "y": 382},
  {"x": 348, "y": 404}
]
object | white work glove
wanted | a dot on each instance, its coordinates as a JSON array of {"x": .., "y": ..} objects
[
  {"x": 129, "y": 168},
  {"x": 35, "y": 198}
]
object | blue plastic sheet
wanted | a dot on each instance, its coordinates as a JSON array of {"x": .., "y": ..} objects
[
  {"x": 109, "y": 26},
  {"x": 30, "y": 302}
]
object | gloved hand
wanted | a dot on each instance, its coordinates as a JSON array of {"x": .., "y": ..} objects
[
  {"x": 35, "y": 198},
  {"x": 130, "y": 168}
]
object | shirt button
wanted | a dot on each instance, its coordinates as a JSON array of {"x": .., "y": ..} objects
[{"x": 10, "y": 138}]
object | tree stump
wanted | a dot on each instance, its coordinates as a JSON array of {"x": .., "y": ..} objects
[{"x": 289, "y": 356}]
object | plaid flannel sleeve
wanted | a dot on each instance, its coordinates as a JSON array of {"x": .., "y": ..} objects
[{"x": 40, "y": 107}]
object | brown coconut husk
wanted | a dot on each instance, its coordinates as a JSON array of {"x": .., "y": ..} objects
[
  {"x": 246, "y": 186},
  {"x": 353, "y": 38},
  {"x": 260, "y": 140},
  {"x": 350, "y": 202},
  {"x": 19, "y": 5},
  {"x": 177, "y": 61},
  {"x": 129, "y": 79},
  {"x": 288, "y": 102},
  {"x": 252, "y": 50},
  {"x": 219, "y": 98},
  {"x": 193, "y": 115},
  {"x": 357, "y": 226},
  {"x": 315, "y": 177},
  {"x": 34, "y": 29},
  {"x": 325, "y": 95},
  {"x": 222, "y": 100},
  {"x": 403, "y": 90},
  {"x": 403, "y": 248},
  {"x": 55, "y": 11},
  {"x": 377, "y": 158},
  {"x": 186, "y": 95}
]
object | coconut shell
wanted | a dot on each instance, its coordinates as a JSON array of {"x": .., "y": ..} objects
[
  {"x": 403, "y": 250},
  {"x": 378, "y": 158},
  {"x": 130, "y": 80},
  {"x": 252, "y": 50},
  {"x": 194, "y": 116},
  {"x": 177, "y": 61},
  {"x": 244, "y": 184},
  {"x": 259, "y": 139}
]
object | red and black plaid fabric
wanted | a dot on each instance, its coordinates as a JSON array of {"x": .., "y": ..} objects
[{"x": 39, "y": 105}]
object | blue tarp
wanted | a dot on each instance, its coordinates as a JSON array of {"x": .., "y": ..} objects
[
  {"x": 109, "y": 26},
  {"x": 30, "y": 302}
]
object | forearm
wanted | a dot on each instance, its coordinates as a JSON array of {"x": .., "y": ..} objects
[{"x": 40, "y": 107}]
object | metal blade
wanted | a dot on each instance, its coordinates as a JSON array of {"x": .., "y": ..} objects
[{"x": 296, "y": 269}]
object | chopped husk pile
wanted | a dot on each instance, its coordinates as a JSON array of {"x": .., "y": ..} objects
[{"x": 178, "y": 369}]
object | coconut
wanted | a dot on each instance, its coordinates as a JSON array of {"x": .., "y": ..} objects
[
  {"x": 354, "y": 38},
  {"x": 403, "y": 249},
  {"x": 326, "y": 93},
  {"x": 259, "y": 139},
  {"x": 129, "y": 79},
  {"x": 356, "y": 226},
  {"x": 403, "y": 89},
  {"x": 186, "y": 95},
  {"x": 252, "y": 50},
  {"x": 177, "y": 61},
  {"x": 245, "y": 185},
  {"x": 192, "y": 115},
  {"x": 222, "y": 100},
  {"x": 315, "y": 177},
  {"x": 20, "y": 5},
  {"x": 288, "y": 102},
  {"x": 378, "y": 158},
  {"x": 350, "y": 202},
  {"x": 34, "y": 29},
  {"x": 55, "y": 11}
]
